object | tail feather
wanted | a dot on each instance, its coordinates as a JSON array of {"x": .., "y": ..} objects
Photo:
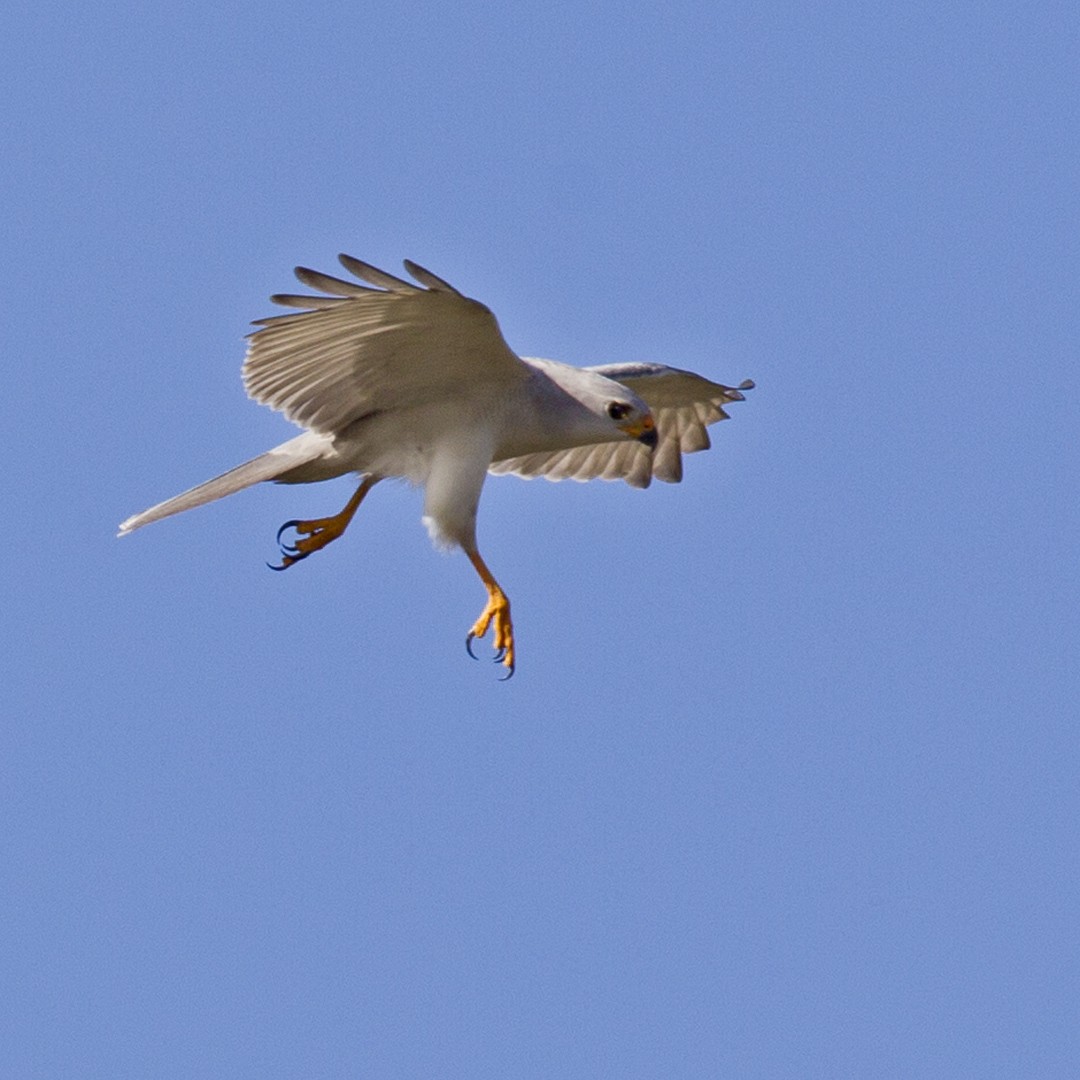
[{"x": 272, "y": 465}]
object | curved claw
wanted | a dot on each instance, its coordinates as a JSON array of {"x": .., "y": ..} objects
[
  {"x": 500, "y": 653},
  {"x": 290, "y": 553},
  {"x": 288, "y": 525},
  {"x": 289, "y": 559}
]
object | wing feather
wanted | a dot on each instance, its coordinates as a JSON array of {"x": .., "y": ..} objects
[
  {"x": 306, "y": 302},
  {"x": 683, "y": 405},
  {"x": 374, "y": 276},
  {"x": 327, "y": 283},
  {"x": 361, "y": 349},
  {"x": 426, "y": 277}
]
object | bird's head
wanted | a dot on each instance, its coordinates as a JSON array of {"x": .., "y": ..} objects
[
  {"x": 633, "y": 418},
  {"x": 593, "y": 408},
  {"x": 615, "y": 405}
]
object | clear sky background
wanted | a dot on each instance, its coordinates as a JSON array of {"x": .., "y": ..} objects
[{"x": 786, "y": 783}]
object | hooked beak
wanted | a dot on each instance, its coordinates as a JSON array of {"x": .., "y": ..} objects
[{"x": 644, "y": 430}]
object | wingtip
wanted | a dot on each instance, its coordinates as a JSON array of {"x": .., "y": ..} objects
[
  {"x": 428, "y": 279},
  {"x": 735, "y": 393},
  {"x": 373, "y": 275}
]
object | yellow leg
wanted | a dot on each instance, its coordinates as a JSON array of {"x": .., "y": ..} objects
[
  {"x": 496, "y": 611},
  {"x": 319, "y": 532}
]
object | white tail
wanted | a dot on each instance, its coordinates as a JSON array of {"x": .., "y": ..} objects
[{"x": 272, "y": 465}]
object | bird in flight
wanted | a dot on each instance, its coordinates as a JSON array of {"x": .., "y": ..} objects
[{"x": 394, "y": 379}]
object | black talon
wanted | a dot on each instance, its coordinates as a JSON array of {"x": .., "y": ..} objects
[
  {"x": 499, "y": 657},
  {"x": 288, "y": 525},
  {"x": 291, "y": 557}
]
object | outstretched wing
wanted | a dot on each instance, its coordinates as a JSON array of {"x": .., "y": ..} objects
[
  {"x": 370, "y": 348},
  {"x": 683, "y": 405}
]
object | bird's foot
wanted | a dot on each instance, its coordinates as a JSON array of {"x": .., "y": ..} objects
[
  {"x": 312, "y": 536},
  {"x": 497, "y": 611},
  {"x": 318, "y": 532}
]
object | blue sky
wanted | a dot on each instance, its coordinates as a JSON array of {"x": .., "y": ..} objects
[{"x": 785, "y": 785}]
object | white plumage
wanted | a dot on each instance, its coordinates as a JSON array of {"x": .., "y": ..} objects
[{"x": 393, "y": 379}]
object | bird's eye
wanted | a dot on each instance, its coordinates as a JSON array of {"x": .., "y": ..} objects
[{"x": 617, "y": 410}]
